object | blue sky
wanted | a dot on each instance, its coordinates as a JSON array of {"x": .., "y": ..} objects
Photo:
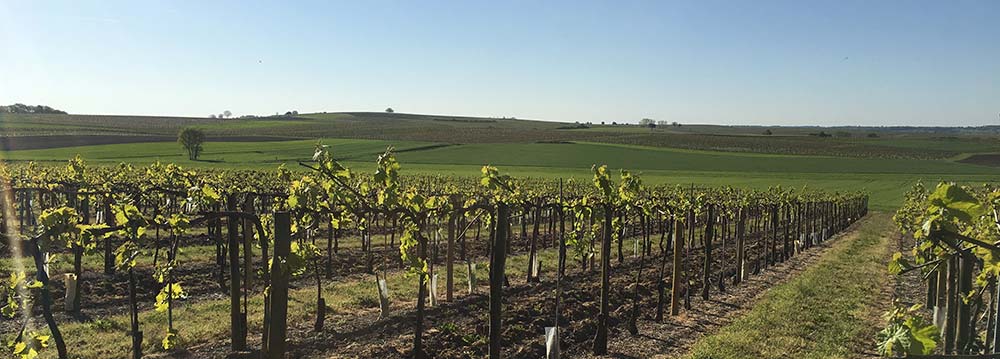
[{"x": 723, "y": 62}]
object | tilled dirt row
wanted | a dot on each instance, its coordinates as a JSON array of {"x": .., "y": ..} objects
[{"x": 459, "y": 329}]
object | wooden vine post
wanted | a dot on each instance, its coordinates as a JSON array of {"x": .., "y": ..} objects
[
  {"x": 533, "y": 251},
  {"x": 74, "y": 305},
  {"x": 786, "y": 242},
  {"x": 562, "y": 232},
  {"x": 42, "y": 276},
  {"x": 951, "y": 306},
  {"x": 450, "y": 253},
  {"x": 423, "y": 279},
  {"x": 238, "y": 331},
  {"x": 277, "y": 305},
  {"x": 709, "y": 232},
  {"x": 134, "y": 316},
  {"x": 741, "y": 265},
  {"x": 248, "y": 273},
  {"x": 964, "y": 331},
  {"x": 109, "y": 257},
  {"x": 675, "y": 274},
  {"x": 498, "y": 261},
  {"x": 601, "y": 338},
  {"x": 660, "y": 283}
]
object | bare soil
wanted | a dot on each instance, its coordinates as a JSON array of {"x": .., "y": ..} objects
[{"x": 459, "y": 329}]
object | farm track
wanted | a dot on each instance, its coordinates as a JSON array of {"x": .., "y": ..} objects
[
  {"x": 907, "y": 289},
  {"x": 674, "y": 336}
]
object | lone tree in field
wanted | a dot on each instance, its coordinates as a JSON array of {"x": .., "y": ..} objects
[
  {"x": 389, "y": 110},
  {"x": 192, "y": 139}
]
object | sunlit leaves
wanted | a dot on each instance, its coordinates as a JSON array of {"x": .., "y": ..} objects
[
  {"x": 299, "y": 257},
  {"x": 955, "y": 202},
  {"x": 907, "y": 333},
  {"x": 131, "y": 219},
  {"x": 29, "y": 345},
  {"x": 898, "y": 264},
  {"x": 603, "y": 182},
  {"x": 169, "y": 340},
  {"x": 58, "y": 221},
  {"x": 125, "y": 255},
  {"x": 502, "y": 186},
  {"x": 328, "y": 164},
  {"x": 204, "y": 194},
  {"x": 169, "y": 292},
  {"x": 14, "y": 289},
  {"x": 408, "y": 245},
  {"x": 179, "y": 223},
  {"x": 386, "y": 179},
  {"x": 943, "y": 222}
]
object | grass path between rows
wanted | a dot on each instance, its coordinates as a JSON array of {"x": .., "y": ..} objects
[{"x": 822, "y": 313}]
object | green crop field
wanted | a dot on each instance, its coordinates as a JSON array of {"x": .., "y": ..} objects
[
  {"x": 913, "y": 143},
  {"x": 224, "y": 154},
  {"x": 885, "y": 178}
]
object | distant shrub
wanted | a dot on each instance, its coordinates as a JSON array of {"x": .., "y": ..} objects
[{"x": 191, "y": 139}]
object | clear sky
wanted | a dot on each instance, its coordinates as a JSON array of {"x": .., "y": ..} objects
[{"x": 726, "y": 62}]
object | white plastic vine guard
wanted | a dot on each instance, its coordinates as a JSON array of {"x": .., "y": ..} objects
[
  {"x": 434, "y": 291},
  {"x": 472, "y": 277},
  {"x": 383, "y": 298},
  {"x": 70, "y": 280},
  {"x": 552, "y": 342}
]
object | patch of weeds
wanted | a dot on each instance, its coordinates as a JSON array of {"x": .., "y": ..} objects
[
  {"x": 104, "y": 325},
  {"x": 366, "y": 301}
]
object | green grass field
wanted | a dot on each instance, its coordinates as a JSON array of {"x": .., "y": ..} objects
[
  {"x": 263, "y": 155},
  {"x": 885, "y": 179},
  {"x": 738, "y": 156},
  {"x": 931, "y": 143}
]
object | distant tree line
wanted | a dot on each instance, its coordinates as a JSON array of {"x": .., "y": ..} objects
[
  {"x": 224, "y": 114},
  {"x": 229, "y": 114},
  {"x": 22, "y": 108},
  {"x": 651, "y": 123}
]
